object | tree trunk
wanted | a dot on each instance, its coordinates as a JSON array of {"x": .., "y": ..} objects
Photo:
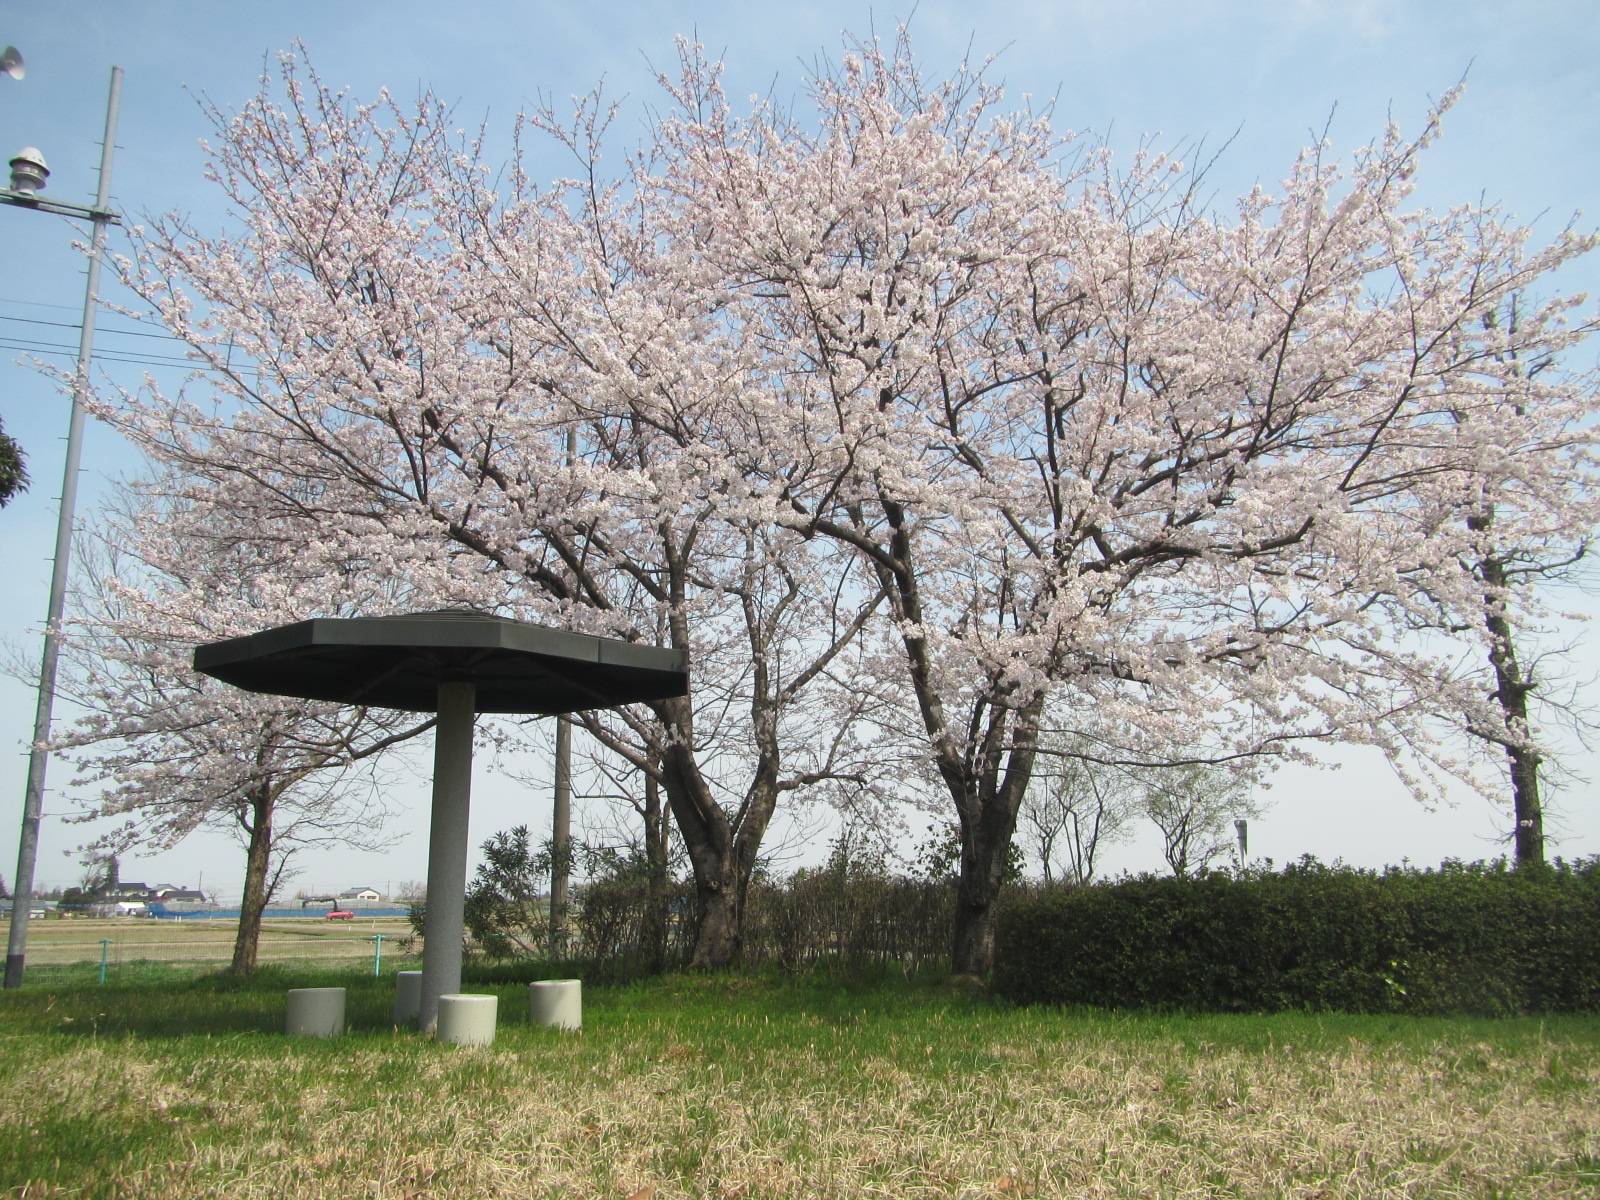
[
  {"x": 659, "y": 883},
  {"x": 722, "y": 851},
  {"x": 258, "y": 856},
  {"x": 987, "y": 775},
  {"x": 1511, "y": 692},
  {"x": 978, "y": 893},
  {"x": 988, "y": 822},
  {"x": 1512, "y": 688},
  {"x": 1528, "y": 841}
]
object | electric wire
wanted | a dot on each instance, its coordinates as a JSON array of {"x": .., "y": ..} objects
[
  {"x": 166, "y": 337},
  {"x": 57, "y": 350}
]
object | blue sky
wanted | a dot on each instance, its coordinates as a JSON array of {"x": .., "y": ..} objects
[{"x": 1263, "y": 77}]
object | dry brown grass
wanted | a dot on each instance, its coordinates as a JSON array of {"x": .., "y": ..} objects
[
  {"x": 204, "y": 942},
  {"x": 972, "y": 1103}
]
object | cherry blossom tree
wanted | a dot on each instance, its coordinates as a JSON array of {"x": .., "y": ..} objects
[
  {"x": 1186, "y": 472},
  {"x": 912, "y": 423},
  {"x": 1529, "y": 517},
  {"x": 503, "y": 402},
  {"x": 174, "y": 751}
]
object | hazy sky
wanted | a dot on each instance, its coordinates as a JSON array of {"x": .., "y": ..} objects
[{"x": 1263, "y": 77}]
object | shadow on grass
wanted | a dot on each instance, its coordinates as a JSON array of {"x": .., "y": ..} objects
[
  {"x": 170, "y": 1005},
  {"x": 186, "y": 1006}
]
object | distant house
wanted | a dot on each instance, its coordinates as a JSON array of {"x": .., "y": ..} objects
[
  {"x": 118, "y": 892},
  {"x": 361, "y": 893}
]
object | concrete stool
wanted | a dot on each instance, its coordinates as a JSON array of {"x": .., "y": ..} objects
[
  {"x": 466, "y": 1020},
  {"x": 556, "y": 1002},
  {"x": 315, "y": 1012},
  {"x": 407, "y": 997}
]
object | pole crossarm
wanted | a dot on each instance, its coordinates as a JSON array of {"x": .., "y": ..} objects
[{"x": 60, "y": 208}]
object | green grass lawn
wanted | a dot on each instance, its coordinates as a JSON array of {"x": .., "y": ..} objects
[{"x": 753, "y": 1086}]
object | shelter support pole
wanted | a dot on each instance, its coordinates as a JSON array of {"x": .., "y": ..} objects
[{"x": 447, "y": 847}]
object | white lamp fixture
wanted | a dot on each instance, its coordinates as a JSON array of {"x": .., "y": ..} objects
[{"x": 28, "y": 170}]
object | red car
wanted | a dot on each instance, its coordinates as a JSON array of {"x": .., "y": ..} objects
[{"x": 339, "y": 914}]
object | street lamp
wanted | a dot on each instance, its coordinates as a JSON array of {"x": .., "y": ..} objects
[{"x": 28, "y": 175}]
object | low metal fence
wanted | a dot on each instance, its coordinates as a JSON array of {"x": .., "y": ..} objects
[{"x": 131, "y": 948}]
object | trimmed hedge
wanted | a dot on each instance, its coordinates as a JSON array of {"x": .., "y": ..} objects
[{"x": 1471, "y": 938}]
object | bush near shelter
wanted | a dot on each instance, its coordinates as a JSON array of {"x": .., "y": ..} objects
[{"x": 1469, "y": 938}]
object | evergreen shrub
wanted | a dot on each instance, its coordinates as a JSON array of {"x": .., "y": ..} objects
[{"x": 1468, "y": 938}]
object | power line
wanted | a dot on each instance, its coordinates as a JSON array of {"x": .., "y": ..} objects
[
  {"x": 167, "y": 337},
  {"x": 48, "y": 304},
  {"x": 57, "y": 350}
]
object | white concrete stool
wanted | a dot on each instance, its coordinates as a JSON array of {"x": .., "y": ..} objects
[
  {"x": 556, "y": 1002},
  {"x": 466, "y": 1020},
  {"x": 407, "y": 997},
  {"x": 315, "y": 1012}
]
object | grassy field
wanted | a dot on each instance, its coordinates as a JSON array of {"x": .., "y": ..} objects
[
  {"x": 68, "y": 949},
  {"x": 763, "y": 1086}
]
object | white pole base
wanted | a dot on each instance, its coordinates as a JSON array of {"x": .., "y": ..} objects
[
  {"x": 466, "y": 1020},
  {"x": 407, "y": 997},
  {"x": 315, "y": 1012},
  {"x": 556, "y": 1002}
]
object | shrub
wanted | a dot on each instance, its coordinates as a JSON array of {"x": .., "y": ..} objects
[{"x": 1465, "y": 938}]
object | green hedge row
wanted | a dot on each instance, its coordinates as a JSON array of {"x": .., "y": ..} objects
[{"x": 1466, "y": 938}]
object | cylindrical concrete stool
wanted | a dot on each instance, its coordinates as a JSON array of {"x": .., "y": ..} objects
[
  {"x": 466, "y": 1020},
  {"x": 407, "y": 997},
  {"x": 557, "y": 1002},
  {"x": 316, "y": 1012}
]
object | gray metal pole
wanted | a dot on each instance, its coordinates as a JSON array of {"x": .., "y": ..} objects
[
  {"x": 447, "y": 848},
  {"x": 38, "y": 756},
  {"x": 561, "y": 840},
  {"x": 561, "y": 809}
]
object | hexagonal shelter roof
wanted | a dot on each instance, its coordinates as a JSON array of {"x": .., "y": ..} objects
[{"x": 398, "y": 661}]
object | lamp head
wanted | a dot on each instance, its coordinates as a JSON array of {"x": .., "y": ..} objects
[
  {"x": 28, "y": 171},
  {"x": 11, "y": 62}
]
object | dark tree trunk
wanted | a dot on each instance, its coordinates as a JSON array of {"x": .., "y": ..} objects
[
  {"x": 258, "y": 860},
  {"x": 659, "y": 884},
  {"x": 1512, "y": 688},
  {"x": 722, "y": 850},
  {"x": 977, "y": 894},
  {"x": 986, "y": 773},
  {"x": 987, "y": 806},
  {"x": 1528, "y": 842}
]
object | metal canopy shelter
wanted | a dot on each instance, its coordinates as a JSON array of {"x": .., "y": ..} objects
[{"x": 458, "y": 664}]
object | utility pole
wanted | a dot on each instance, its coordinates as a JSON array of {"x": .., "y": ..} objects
[
  {"x": 561, "y": 812},
  {"x": 561, "y": 840},
  {"x": 28, "y": 173}
]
